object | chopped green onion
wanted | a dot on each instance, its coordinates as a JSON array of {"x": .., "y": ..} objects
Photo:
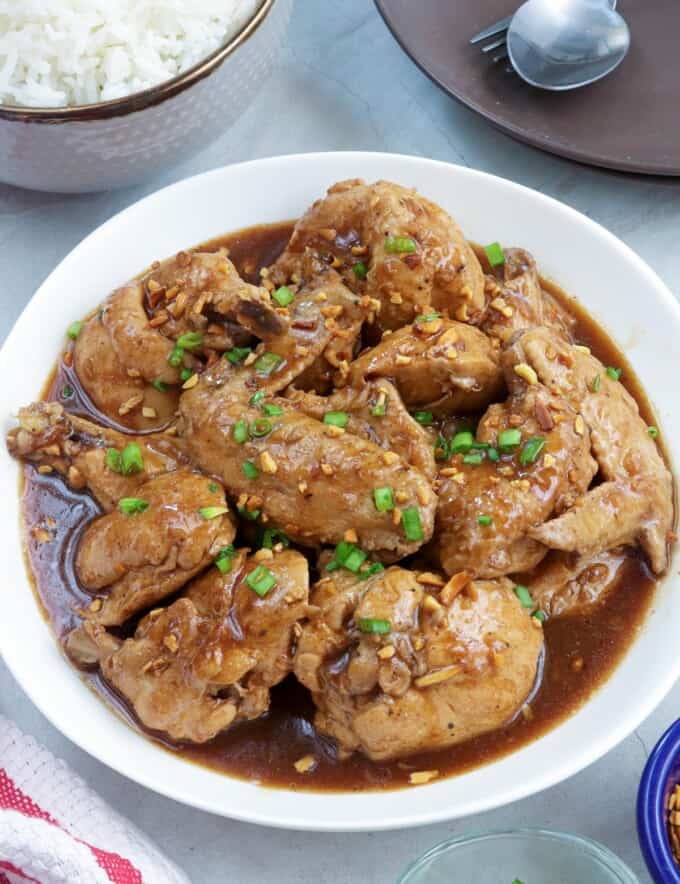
[
  {"x": 250, "y": 471},
  {"x": 413, "y": 528},
  {"x": 333, "y": 565},
  {"x": 251, "y": 515},
  {"x": 493, "y": 455},
  {"x": 384, "y": 501},
  {"x": 67, "y": 392},
  {"x": 428, "y": 317},
  {"x": 531, "y": 450},
  {"x": 461, "y": 442},
  {"x": 238, "y": 354},
  {"x": 494, "y": 253},
  {"x": 189, "y": 340},
  {"x": 261, "y": 580},
  {"x": 256, "y": 398},
  {"x": 379, "y": 410},
  {"x": 225, "y": 557},
  {"x": 336, "y": 418},
  {"x": 360, "y": 270},
  {"x": 399, "y": 245},
  {"x": 176, "y": 356},
  {"x": 113, "y": 460},
  {"x": 260, "y": 427},
  {"x": 240, "y": 432},
  {"x": 268, "y": 362},
  {"x": 524, "y": 596},
  {"x": 426, "y": 418},
  {"x": 509, "y": 439},
  {"x": 272, "y": 410},
  {"x": 212, "y": 488},
  {"x": 74, "y": 330},
  {"x": 185, "y": 374},
  {"x": 595, "y": 383},
  {"x": 473, "y": 457},
  {"x": 517, "y": 881},
  {"x": 283, "y": 296},
  {"x": 540, "y": 616},
  {"x": 131, "y": 459},
  {"x": 441, "y": 448},
  {"x": 485, "y": 520},
  {"x": 350, "y": 556},
  {"x": 159, "y": 385},
  {"x": 131, "y": 505},
  {"x": 653, "y": 432},
  {"x": 374, "y": 626},
  {"x": 614, "y": 373},
  {"x": 373, "y": 569},
  {"x": 273, "y": 536},
  {"x": 212, "y": 512}
]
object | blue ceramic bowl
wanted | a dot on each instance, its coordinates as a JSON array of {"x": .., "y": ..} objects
[{"x": 659, "y": 777}]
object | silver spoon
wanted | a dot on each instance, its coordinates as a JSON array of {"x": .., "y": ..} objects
[{"x": 564, "y": 44}]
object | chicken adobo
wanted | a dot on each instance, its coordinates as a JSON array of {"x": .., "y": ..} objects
[{"x": 347, "y": 503}]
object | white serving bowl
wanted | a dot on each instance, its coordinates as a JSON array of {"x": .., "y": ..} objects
[
  {"x": 117, "y": 143},
  {"x": 618, "y": 288}
]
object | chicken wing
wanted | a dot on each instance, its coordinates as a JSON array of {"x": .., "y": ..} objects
[
  {"x": 395, "y": 670},
  {"x": 517, "y": 301},
  {"x": 128, "y": 352},
  {"x": 487, "y": 509},
  {"x": 138, "y": 554},
  {"x": 566, "y": 583},
  {"x": 398, "y": 246},
  {"x": 313, "y": 480},
  {"x": 437, "y": 364},
  {"x": 635, "y": 502},
  {"x": 374, "y": 412},
  {"x": 209, "y": 659},
  {"x": 89, "y": 456}
]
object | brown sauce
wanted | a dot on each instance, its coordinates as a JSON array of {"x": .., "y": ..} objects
[{"x": 265, "y": 750}]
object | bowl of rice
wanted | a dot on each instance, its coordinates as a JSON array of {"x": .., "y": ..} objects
[{"x": 100, "y": 94}]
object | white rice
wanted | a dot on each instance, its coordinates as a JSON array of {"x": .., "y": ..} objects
[{"x": 59, "y": 53}]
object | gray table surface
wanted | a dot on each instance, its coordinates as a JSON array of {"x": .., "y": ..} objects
[{"x": 344, "y": 84}]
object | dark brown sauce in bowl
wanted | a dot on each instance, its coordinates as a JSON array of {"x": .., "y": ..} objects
[{"x": 580, "y": 650}]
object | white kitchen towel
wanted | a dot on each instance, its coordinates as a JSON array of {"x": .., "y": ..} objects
[{"x": 55, "y": 830}]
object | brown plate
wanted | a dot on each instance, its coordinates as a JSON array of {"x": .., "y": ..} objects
[{"x": 628, "y": 121}]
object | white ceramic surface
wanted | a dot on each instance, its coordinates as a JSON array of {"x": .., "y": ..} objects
[
  {"x": 616, "y": 285},
  {"x": 102, "y": 153}
]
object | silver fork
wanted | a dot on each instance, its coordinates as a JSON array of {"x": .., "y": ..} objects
[{"x": 499, "y": 29}]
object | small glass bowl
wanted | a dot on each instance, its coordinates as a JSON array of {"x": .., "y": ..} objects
[
  {"x": 527, "y": 855},
  {"x": 659, "y": 777}
]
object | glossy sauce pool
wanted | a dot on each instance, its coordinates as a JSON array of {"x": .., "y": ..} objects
[{"x": 580, "y": 653}]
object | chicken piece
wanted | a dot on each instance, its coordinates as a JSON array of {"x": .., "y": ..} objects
[
  {"x": 57, "y": 441},
  {"x": 566, "y": 583},
  {"x": 210, "y": 658},
  {"x": 393, "y": 670},
  {"x": 412, "y": 252},
  {"x": 313, "y": 482},
  {"x": 121, "y": 353},
  {"x": 395, "y": 430},
  {"x": 515, "y": 496},
  {"x": 216, "y": 302},
  {"x": 124, "y": 399},
  {"x": 518, "y": 302},
  {"x": 320, "y": 328},
  {"x": 132, "y": 561},
  {"x": 444, "y": 366},
  {"x": 635, "y": 502}
]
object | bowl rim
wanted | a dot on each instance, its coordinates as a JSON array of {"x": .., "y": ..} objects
[
  {"x": 380, "y": 810},
  {"x": 662, "y": 764},
  {"x": 612, "y": 862},
  {"x": 153, "y": 95}
]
